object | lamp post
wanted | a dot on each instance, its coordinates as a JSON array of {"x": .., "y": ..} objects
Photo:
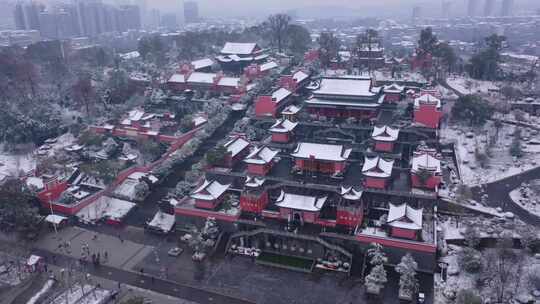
[{"x": 49, "y": 194}]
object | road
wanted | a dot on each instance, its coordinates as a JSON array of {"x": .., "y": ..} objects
[
  {"x": 498, "y": 195},
  {"x": 173, "y": 289}
]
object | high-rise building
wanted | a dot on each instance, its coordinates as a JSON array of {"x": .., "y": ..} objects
[
  {"x": 471, "y": 7},
  {"x": 191, "y": 12},
  {"x": 489, "y": 6},
  {"x": 416, "y": 12},
  {"x": 169, "y": 21},
  {"x": 129, "y": 18},
  {"x": 26, "y": 15},
  {"x": 507, "y": 7},
  {"x": 446, "y": 9},
  {"x": 154, "y": 19}
]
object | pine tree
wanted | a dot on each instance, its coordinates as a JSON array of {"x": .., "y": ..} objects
[
  {"x": 408, "y": 282},
  {"x": 376, "y": 279}
]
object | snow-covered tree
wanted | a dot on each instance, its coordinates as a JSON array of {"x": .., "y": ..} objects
[
  {"x": 376, "y": 279},
  {"x": 377, "y": 255},
  {"x": 408, "y": 283},
  {"x": 141, "y": 190}
]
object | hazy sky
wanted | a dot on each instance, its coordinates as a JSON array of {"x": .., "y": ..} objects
[{"x": 213, "y": 8}]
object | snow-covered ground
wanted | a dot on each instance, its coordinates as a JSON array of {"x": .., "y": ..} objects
[
  {"x": 105, "y": 208},
  {"x": 162, "y": 221},
  {"x": 13, "y": 164},
  {"x": 501, "y": 164},
  {"x": 459, "y": 279},
  {"x": 471, "y": 86},
  {"x": 527, "y": 198},
  {"x": 46, "y": 287},
  {"x": 88, "y": 294}
]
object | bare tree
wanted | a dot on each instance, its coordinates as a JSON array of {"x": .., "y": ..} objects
[
  {"x": 502, "y": 269},
  {"x": 279, "y": 25}
]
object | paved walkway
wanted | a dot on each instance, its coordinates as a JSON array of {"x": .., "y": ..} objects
[
  {"x": 123, "y": 256},
  {"x": 498, "y": 195}
]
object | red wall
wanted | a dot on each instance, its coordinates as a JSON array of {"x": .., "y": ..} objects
[
  {"x": 328, "y": 112},
  {"x": 432, "y": 183},
  {"x": 396, "y": 243},
  {"x": 280, "y": 137},
  {"x": 324, "y": 167},
  {"x": 403, "y": 233},
  {"x": 384, "y": 146},
  {"x": 428, "y": 115},
  {"x": 348, "y": 218},
  {"x": 392, "y": 97},
  {"x": 265, "y": 106},
  {"x": 258, "y": 169},
  {"x": 254, "y": 204},
  {"x": 206, "y": 204},
  {"x": 373, "y": 182},
  {"x": 288, "y": 82},
  {"x": 52, "y": 193}
]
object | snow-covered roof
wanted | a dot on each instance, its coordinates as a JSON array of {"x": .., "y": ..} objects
[
  {"x": 33, "y": 259},
  {"x": 291, "y": 110},
  {"x": 300, "y": 202},
  {"x": 425, "y": 161},
  {"x": 261, "y": 155},
  {"x": 229, "y": 82},
  {"x": 427, "y": 99},
  {"x": 268, "y": 66},
  {"x": 236, "y": 145},
  {"x": 202, "y": 63},
  {"x": 332, "y": 102},
  {"x": 321, "y": 152},
  {"x": 209, "y": 190},
  {"x": 393, "y": 88},
  {"x": 238, "y": 48},
  {"x": 199, "y": 77},
  {"x": 55, "y": 219},
  {"x": 138, "y": 175},
  {"x": 345, "y": 86},
  {"x": 254, "y": 182},
  {"x": 404, "y": 216},
  {"x": 385, "y": 133},
  {"x": 349, "y": 193},
  {"x": 106, "y": 207},
  {"x": 279, "y": 95},
  {"x": 300, "y": 76},
  {"x": 377, "y": 167},
  {"x": 130, "y": 55},
  {"x": 283, "y": 126},
  {"x": 135, "y": 115},
  {"x": 178, "y": 78},
  {"x": 36, "y": 182},
  {"x": 162, "y": 221}
]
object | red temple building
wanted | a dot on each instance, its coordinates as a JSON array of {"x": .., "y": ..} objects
[
  {"x": 428, "y": 111},
  {"x": 209, "y": 195},
  {"x": 426, "y": 169},
  {"x": 350, "y": 96},
  {"x": 324, "y": 158},
  {"x": 370, "y": 55},
  {"x": 393, "y": 92},
  {"x": 261, "y": 160},
  {"x": 237, "y": 149},
  {"x": 291, "y": 112},
  {"x": 236, "y": 56},
  {"x": 350, "y": 211},
  {"x": 283, "y": 131},
  {"x": 301, "y": 208},
  {"x": 254, "y": 198},
  {"x": 405, "y": 222},
  {"x": 271, "y": 105},
  {"x": 297, "y": 80},
  {"x": 377, "y": 172},
  {"x": 385, "y": 138}
]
